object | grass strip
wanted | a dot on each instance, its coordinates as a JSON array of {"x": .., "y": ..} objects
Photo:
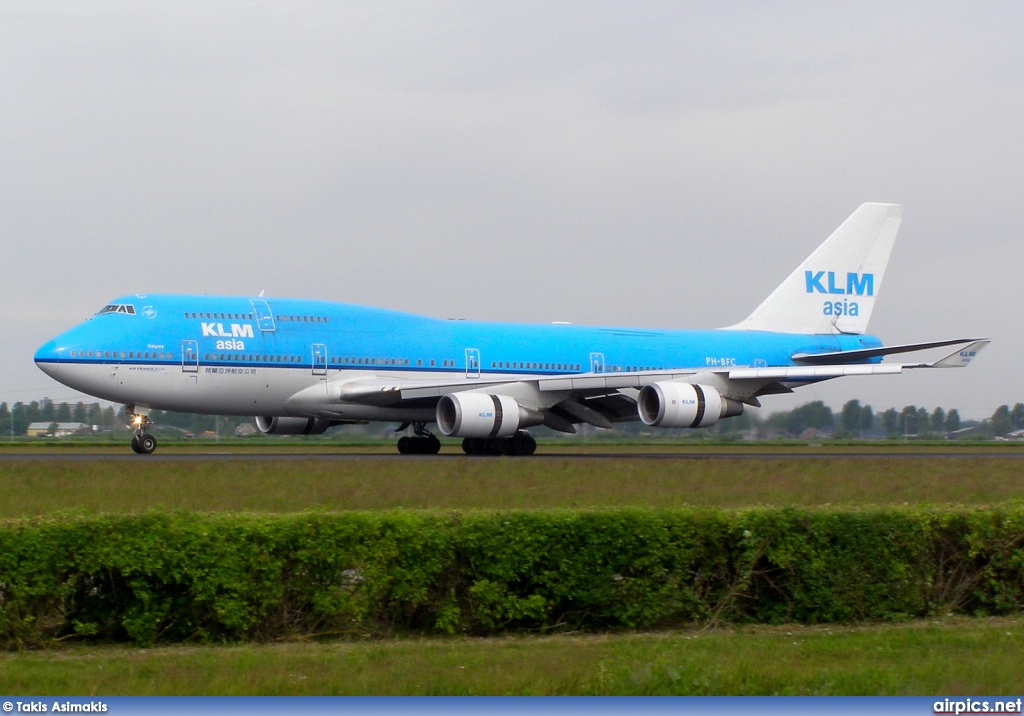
[
  {"x": 31, "y": 488},
  {"x": 952, "y": 656}
]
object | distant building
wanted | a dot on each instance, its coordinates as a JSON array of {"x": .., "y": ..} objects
[
  {"x": 62, "y": 430},
  {"x": 245, "y": 430},
  {"x": 815, "y": 434}
]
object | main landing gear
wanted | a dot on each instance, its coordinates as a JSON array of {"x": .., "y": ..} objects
[
  {"x": 522, "y": 443},
  {"x": 142, "y": 442},
  {"x": 422, "y": 443}
]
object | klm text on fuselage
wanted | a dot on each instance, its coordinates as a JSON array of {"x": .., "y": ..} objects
[
  {"x": 857, "y": 284},
  {"x": 238, "y": 331}
]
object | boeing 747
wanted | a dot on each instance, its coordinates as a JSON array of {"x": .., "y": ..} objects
[{"x": 302, "y": 366}]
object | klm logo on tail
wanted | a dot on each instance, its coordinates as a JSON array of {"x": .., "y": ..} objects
[{"x": 857, "y": 284}]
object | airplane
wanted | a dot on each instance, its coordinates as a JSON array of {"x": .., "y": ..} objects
[{"x": 303, "y": 366}]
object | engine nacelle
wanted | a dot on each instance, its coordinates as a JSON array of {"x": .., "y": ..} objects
[
  {"x": 291, "y": 426},
  {"x": 478, "y": 415},
  {"x": 669, "y": 404}
]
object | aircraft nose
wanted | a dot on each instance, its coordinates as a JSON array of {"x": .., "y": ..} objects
[{"x": 49, "y": 355}]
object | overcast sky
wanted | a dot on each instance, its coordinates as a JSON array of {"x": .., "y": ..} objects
[{"x": 631, "y": 163}]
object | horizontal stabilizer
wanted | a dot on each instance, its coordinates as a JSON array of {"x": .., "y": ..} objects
[
  {"x": 866, "y": 353},
  {"x": 962, "y": 357}
]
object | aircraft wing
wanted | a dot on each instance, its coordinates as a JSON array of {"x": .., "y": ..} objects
[{"x": 603, "y": 398}]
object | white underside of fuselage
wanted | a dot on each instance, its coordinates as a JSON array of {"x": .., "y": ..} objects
[{"x": 230, "y": 390}]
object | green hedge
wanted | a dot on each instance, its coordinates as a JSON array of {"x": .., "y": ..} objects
[{"x": 171, "y": 577}]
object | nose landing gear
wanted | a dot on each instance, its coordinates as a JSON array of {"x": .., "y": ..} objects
[
  {"x": 142, "y": 442},
  {"x": 422, "y": 443}
]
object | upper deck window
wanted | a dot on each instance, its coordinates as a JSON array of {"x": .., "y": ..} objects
[{"x": 118, "y": 308}]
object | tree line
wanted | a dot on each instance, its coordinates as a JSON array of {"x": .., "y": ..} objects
[
  {"x": 107, "y": 419},
  {"x": 853, "y": 420}
]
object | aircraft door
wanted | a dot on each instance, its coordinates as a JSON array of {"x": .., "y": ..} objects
[
  {"x": 472, "y": 363},
  {"x": 189, "y": 357},
  {"x": 264, "y": 316},
  {"x": 319, "y": 359},
  {"x": 597, "y": 362}
]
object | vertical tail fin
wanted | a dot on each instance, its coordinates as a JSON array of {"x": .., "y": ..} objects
[{"x": 834, "y": 290}]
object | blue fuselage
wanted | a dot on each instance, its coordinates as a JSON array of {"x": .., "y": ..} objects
[{"x": 234, "y": 336}]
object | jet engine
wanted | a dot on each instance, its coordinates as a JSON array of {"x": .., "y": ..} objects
[
  {"x": 478, "y": 415},
  {"x": 669, "y": 404},
  {"x": 291, "y": 426}
]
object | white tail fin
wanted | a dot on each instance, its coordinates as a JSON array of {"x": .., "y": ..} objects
[{"x": 834, "y": 290}]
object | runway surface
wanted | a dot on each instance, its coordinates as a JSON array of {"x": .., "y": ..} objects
[{"x": 264, "y": 457}]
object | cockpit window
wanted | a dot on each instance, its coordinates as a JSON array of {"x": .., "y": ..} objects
[{"x": 118, "y": 308}]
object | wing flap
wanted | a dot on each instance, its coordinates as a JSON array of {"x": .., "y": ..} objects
[{"x": 818, "y": 371}]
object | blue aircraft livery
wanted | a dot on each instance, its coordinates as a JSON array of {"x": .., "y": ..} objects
[{"x": 303, "y": 366}]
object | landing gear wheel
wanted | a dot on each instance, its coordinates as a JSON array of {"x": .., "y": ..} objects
[
  {"x": 147, "y": 444},
  {"x": 522, "y": 443},
  {"x": 431, "y": 445},
  {"x": 142, "y": 442},
  {"x": 496, "y": 446},
  {"x": 423, "y": 443}
]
